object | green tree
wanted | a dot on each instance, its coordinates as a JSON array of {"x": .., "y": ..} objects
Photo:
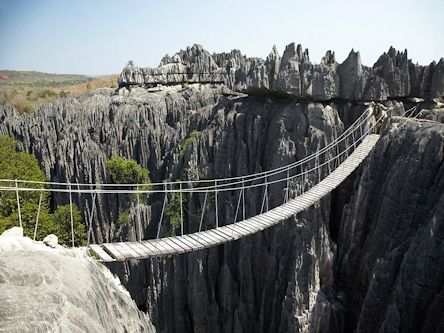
[
  {"x": 62, "y": 219},
  {"x": 124, "y": 171},
  {"x": 17, "y": 165},
  {"x": 172, "y": 210},
  {"x": 21, "y": 165}
]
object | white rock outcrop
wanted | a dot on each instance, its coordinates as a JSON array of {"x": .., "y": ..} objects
[
  {"x": 13, "y": 232},
  {"x": 61, "y": 290},
  {"x": 51, "y": 240}
]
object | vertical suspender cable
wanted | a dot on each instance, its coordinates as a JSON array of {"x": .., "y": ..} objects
[
  {"x": 237, "y": 206},
  {"x": 287, "y": 193},
  {"x": 163, "y": 210},
  {"x": 18, "y": 204},
  {"x": 265, "y": 194},
  {"x": 243, "y": 198},
  {"x": 203, "y": 211},
  {"x": 139, "y": 223},
  {"x": 91, "y": 215},
  {"x": 38, "y": 213},
  {"x": 181, "y": 208},
  {"x": 215, "y": 199},
  {"x": 70, "y": 212}
]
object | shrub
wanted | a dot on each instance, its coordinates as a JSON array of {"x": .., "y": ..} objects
[
  {"x": 63, "y": 93},
  {"x": 62, "y": 219},
  {"x": 21, "y": 165},
  {"x": 124, "y": 171},
  {"x": 172, "y": 210},
  {"x": 46, "y": 93},
  {"x": 28, "y": 109},
  {"x": 124, "y": 217},
  {"x": 188, "y": 142}
]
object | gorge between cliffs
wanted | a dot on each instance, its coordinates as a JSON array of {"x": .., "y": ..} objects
[{"x": 369, "y": 257}]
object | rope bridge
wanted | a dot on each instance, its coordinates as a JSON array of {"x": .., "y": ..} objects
[{"x": 326, "y": 169}]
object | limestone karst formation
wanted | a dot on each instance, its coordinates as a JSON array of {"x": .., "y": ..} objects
[
  {"x": 392, "y": 76},
  {"x": 367, "y": 258}
]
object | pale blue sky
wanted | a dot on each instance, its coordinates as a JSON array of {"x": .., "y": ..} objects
[{"x": 100, "y": 36}]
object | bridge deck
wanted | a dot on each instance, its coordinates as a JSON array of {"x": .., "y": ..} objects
[{"x": 192, "y": 242}]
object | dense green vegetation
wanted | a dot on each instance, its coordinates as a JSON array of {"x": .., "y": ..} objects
[
  {"x": 172, "y": 210},
  {"x": 62, "y": 219},
  {"x": 127, "y": 171},
  {"x": 21, "y": 165}
]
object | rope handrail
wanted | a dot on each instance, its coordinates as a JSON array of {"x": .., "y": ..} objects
[
  {"x": 221, "y": 185},
  {"x": 271, "y": 172},
  {"x": 197, "y": 190},
  {"x": 317, "y": 170}
]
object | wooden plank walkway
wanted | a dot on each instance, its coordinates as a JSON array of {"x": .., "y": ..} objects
[{"x": 192, "y": 242}]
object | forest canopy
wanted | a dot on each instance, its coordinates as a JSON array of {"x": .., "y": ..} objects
[{"x": 15, "y": 164}]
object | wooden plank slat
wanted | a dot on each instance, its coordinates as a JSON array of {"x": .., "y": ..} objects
[
  {"x": 213, "y": 233},
  {"x": 231, "y": 229},
  {"x": 151, "y": 248},
  {"x": 143, "y": 249},
  {"x": 168, "y": 245},
  {"x": 222, "y": 234},
  {"x": 135, "y": 248},
  {"x": 177, "y": 244},
  {"x": 262, "y": 221},
  {"x": 113, "y": 251},
  {"x": 97, "y": 250},
  {"x": 232, "y": 233},
  {"x": 196, "y": 243},
  {"x": 247, "y": 230},
  {"x": 126, "y": 250},
  {"x": 188, "y": 243},
  {"x": 159, "y": 247},
  {"x": 216, "y": 236},
  {"x": 200, "y": 239}
]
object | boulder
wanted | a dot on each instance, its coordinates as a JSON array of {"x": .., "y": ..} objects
[{"x": 51, "y": 240}]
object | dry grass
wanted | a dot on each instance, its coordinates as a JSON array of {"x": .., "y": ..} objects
[{"x": 27, "y": 91}]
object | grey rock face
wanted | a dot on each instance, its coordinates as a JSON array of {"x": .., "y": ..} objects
[
  {"x": 390, "y": 256},
  {"x": 62, "y": 291},
  {"x": 234, "y": 285},
  {"x": 281, "y": 280},
  {"x": 393, "y": 67},
  {"x": 392, "y": 76}
]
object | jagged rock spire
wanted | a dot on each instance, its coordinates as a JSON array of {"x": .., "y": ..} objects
[{"x": 393, "y": 75}]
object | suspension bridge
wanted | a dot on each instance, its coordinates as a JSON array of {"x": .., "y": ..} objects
[{"x": 303, "y": 183}]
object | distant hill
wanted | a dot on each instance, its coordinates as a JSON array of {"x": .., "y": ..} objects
[
  {"x": 28, "y": 90},
  {"x": 30, "y": 77}
]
